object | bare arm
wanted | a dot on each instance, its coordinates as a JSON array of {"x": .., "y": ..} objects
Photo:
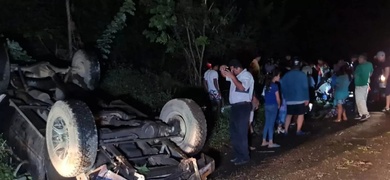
[
  {"x": 205, "y": 85},
  {"x": 232, "y": 77},
  {"x": 387, "y": 72},
  {"x": 255, "y": 102},
  {"x": 216, "y": 84},
  {"x": 278, "y": 98},
  {"x": 237, "y": 83}
]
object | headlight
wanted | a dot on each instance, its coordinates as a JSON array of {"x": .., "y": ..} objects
[{"x": 382, "y": 78}]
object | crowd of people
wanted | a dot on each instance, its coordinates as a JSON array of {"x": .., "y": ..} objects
[{"x": 288, "y": 89}]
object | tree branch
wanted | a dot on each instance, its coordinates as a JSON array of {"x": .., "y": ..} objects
[
  {"x": 189, "y": 43},
  {"x": 69, "y": 18}
]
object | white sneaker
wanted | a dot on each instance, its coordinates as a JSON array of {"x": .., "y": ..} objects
[
  {"x": 280, "y": 130},
  {"x": 365, "y": 117},
  {"x": 2, "y": 97}
]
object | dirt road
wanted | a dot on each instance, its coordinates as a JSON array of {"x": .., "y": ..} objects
[{"x": 349, "y": 150}]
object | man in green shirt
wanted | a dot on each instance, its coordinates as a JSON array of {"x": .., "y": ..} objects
[{"x": 362, "y": 76}]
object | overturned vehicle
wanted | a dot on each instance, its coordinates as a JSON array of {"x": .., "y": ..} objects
[{"x": 67, "y": 132}]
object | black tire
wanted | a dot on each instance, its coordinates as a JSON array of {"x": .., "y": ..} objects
[
  {"x": 192, "y": 123},
  {"x": 80, "y": 147},
  {"x": 5, "y": 71},
  {"x": 85, "y": 70}
]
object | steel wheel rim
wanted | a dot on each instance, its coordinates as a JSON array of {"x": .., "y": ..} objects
[
  {"x": 60, "y": 138},
  {"x": 180, "y": 138}
]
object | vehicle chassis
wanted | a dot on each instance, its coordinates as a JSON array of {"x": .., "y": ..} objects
[{"x": 126, "y": 137}]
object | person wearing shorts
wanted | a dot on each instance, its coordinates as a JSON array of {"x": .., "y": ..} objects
[
  {"x": 343, "y": 79},
  {"x": 295, "y": 90},
  {"x": 211, "y": 85},
  {"x": 381, "y": 56}
]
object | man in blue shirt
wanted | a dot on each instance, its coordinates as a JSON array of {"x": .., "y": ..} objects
[{"x": 295, "y": 90}]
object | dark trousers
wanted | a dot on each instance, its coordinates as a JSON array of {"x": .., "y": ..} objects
[{"x": 239, "y": 127}]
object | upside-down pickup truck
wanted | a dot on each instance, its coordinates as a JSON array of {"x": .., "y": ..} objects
[{"x": 64, "y": 131}]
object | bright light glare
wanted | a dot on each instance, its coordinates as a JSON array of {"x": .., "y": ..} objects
[
  {"x": 382, "y": 78},
  {"x": 310, "y": 106}
]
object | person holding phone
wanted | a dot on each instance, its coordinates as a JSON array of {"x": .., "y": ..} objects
[{"x": 240, "y": 98}]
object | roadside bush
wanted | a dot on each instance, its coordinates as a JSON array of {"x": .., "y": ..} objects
[
  {"x": 6, "y": 171},
  {"x": 220, "y": 135},
  {"x": 145, "y": 87}
]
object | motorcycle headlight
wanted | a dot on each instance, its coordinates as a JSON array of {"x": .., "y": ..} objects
[{"x": 382, "y": 78}]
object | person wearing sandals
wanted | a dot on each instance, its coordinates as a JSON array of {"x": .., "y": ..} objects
[
  {"x": 272, "y": 104},
  {"x": 343, "y": 80}
]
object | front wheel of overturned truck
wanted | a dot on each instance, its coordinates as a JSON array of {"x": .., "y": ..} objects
[
  {"x": 192, "y": 122},
  {"x": 71, "y": 138}
]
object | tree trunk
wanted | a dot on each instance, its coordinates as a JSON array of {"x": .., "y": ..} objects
[
  {"x": 77, "y": 42},
  {"x": 69, "y": 18}
]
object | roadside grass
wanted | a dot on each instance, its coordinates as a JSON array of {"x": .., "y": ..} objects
[
  {"x": 220, "y": 135},
  {"x": 6, "y": 170}
]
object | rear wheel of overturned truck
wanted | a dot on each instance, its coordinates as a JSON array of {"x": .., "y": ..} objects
[
  {"x": 71, "y": 138},
  {"x": 189, "y": 116},
  {"x": 85, "y": 70}
]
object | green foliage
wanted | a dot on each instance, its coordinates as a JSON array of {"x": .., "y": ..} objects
[
  {"x": 142, "y": 169},
  {"x": 17, "y": 52},
  {"x": 186, "y": 28},
  {"x": 6, "y": 171},
  {"x": 259, "y": 120},
  {"x": 220, "y": 135},
  {"x": 150, "y": 89},
  {"x": 116, "y": 25},
  {"x": 163, "y": 19}
]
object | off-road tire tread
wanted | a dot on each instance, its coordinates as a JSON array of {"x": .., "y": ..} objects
[
  {"x": 200, "y": 124},
  {"x": 95, "y": 73},
  {"x": 87, "y": 137}
]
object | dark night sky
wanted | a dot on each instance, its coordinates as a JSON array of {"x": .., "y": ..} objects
[
  {"x": 335, "y": 29},
  {"x": 331, "y": 29}
]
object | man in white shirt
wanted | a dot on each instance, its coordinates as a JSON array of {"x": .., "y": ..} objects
[
  {"x": 240, "y": 98},
  {"x": 211, "y": 85}
]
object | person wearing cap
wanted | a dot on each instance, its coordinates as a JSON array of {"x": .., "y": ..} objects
[
  {"x": 240, "y": 98},
  {"x": 295, "y": 90},
  {"x": 362, "y": 76},
  {"x": 381, "y": 56},
  {"x": 211, "y": 85}
]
